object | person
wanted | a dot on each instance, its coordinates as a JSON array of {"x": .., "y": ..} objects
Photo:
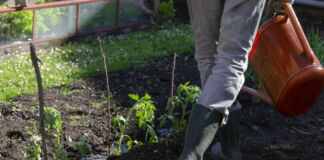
[{"x": 224, "y": 32}]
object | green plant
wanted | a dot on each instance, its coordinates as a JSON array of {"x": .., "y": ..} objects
[
  {"x": 53, "y": 121},
  {"x": 166, "y": 11},
  {"x": 145, "y": 112},
  {"x": 186, "y": 94},
  {"x": 78, "y": 60},
  {"x": 16, "y": 24},
  {"x": 74, "y": 123},
  {"x": 83, "y": 147},
  {"x": 317, "y": 43},
  {"x": 119, "y": 122},
  {"x": 33, "y": 153}
]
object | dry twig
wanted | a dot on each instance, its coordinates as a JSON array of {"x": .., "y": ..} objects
[
  {"x": 35, "y": 61},
  {"x": 108, "y": 97}
]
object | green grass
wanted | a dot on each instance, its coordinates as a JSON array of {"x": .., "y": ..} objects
[
  {"x": 317, "y": 43},
  {"x": 75, "y": 61}
]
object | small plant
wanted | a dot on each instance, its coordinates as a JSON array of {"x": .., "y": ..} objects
[
  {"x": 74, "y": 123},
  {"x": 316, "y": 43},
  {"x": 166, "y": 11},
  {"x": 53, "y": 121},
  {"x": 120, "y": 123},
  {"x": 83, "y": 147},
  {"x": 34, "y": 151},
  {"x": 186, "y": 94},
  {"x": 64, "y": 90},
  {"x": 145, "y": 112}
]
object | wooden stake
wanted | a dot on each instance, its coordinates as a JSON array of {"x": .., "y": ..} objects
[
  {"x": 35, "y": 60},
  {"x": 108, "y": 97},
  {"x": 172, "y": 82}
]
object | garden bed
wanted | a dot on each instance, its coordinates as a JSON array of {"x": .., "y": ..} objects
[{"x": 265, "y": 134}]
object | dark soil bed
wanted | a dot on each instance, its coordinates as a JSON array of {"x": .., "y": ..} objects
[{"x": 265, "y": 134}]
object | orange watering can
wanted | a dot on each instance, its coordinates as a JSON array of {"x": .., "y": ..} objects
[{"x": 292, "y": 77}]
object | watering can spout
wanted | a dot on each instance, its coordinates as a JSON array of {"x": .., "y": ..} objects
[{"x": 292, "y": 77}]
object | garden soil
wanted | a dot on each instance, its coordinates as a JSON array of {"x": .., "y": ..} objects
[{"x": 265, "y": 134}]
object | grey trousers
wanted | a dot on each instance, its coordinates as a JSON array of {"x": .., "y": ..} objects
[{"x": 224, "y": 31}]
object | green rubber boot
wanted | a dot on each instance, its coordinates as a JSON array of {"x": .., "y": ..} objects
[
  {"x": 201, "y": 130},
  {"x": 228, "y": 148}
]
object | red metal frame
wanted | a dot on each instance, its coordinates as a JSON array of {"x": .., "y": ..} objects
[
  {"x": 34, "y": 20},
  {"x": 117, "y": 13},
  {"x": 78, "y": 19},
  {"x": 35, "y": 7}
]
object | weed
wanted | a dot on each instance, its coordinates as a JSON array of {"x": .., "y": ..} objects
[
  {"x": 316, "y": 43},
  {"x": 166, "y": 11},
  {"x": 74, "y": 123},
  {"x": 97, "y": 104},
  {"x": 76, "y": 117},
  {"x": 82, "y": 146},
  {"x": 68, "y": 106},
  {"x": 33, "y": 153},
  {"x": 64, "y": 90}
]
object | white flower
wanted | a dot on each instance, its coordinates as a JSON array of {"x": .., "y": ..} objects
[{"x": 35, "y": 138}]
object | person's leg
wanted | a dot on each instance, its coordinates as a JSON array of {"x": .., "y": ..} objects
[
  {"x": 201, "y": 130},
  {"x": 229, "y": 136},
  {"x": 228, "y": 147},
  {"x": 239, "y": 23},
  {"x": 240, "y": 20},
  {"x": 203, "y": 122},
  {"x": 205, "y": 17}
]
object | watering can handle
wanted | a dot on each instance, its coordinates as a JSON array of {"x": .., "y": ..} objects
[{"x": 308, "y": 52}]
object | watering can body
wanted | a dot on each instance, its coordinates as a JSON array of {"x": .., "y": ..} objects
[{"x": 291, "y": 74}]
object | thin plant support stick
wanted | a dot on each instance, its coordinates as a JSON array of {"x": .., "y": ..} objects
[
  {"x": 172, "y": 82},
  {"x": 35, "y": 60},
  {"x": 169, "y": 106},
  {"x": 108, "y": 97}
]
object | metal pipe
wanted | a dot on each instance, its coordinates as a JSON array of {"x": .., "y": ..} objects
[
  {"x": 117, "y": 13},
  {"x": 257, "y": 94},
  {"x": 34, "y": 20},
  {"x": 49, "y": 5},
  {"x": 78, "y": 19},
  {"x": 75, "y": 35}
]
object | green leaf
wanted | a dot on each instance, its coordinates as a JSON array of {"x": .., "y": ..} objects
[
  {"x": 134, "y": 96},
  {"x": 147, "y": 97},
  {"x": 139, "y": 114},
  {"x": 129, "y": 144}
]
